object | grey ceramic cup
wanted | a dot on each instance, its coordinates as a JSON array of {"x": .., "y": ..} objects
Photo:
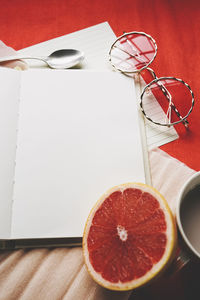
[{"x": 188, "y": 214}]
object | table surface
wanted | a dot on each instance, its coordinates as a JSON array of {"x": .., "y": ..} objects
[{"x": 174, "y": 24}]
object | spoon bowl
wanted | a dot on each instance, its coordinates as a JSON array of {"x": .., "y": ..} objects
[{"x": 59, "y": 59}]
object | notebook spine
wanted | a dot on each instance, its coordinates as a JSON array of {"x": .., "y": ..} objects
[{"x": 7, "y": 244}]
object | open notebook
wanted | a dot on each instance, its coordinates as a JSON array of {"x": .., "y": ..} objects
[{"x": 65, "y": 140}]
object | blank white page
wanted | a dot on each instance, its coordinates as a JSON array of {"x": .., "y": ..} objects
[
  {"x": 78, "y": 136},
  {"x": 9, "y": 104}
]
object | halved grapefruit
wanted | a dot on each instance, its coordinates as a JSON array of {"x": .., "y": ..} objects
[{"x": 129, "y": 237}]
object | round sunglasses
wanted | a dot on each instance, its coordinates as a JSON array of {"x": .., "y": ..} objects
[{"x": 164, "y": 101}]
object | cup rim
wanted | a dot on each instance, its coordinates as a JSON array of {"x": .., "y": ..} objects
[{"x": 178, "y": 205}]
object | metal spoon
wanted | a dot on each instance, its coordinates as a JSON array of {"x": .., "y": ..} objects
[{"x": 60, "y": 59}]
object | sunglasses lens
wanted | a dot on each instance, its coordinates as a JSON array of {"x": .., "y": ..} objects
[
  {"x": 167, "y": 101},
  {"x": 132, "y": 52}
]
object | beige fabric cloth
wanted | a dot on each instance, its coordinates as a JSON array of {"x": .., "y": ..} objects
[{"x": 59, "y": 273}]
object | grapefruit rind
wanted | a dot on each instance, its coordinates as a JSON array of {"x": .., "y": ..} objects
[{"x": 160, "y": 266}]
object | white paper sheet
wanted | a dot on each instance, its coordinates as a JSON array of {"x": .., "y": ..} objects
[{"x": 78, "y": 136}]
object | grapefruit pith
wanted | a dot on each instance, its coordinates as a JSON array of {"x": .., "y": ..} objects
[{"x": 129, "y": 237}]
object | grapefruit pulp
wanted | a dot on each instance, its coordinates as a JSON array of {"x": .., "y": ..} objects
[{"x": 129, "y": 237}]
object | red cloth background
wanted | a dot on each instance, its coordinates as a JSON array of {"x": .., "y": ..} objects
[{"x": 174, "y": 24}]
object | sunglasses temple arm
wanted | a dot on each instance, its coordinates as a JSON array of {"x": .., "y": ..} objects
[
  {"x": 171, "y": 104},
  {"x": 168, "y": 96},
  {"x": 185, "y": 121}
]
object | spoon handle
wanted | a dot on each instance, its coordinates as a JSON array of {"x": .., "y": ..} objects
[{"x": 15, "y": 57}]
